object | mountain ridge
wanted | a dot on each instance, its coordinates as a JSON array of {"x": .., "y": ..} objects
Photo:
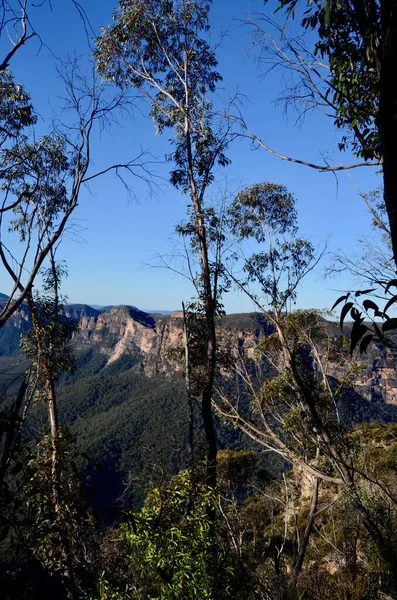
[{"x": 151, "y": 339}]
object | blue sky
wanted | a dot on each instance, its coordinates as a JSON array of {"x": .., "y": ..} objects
[{"x": 116, "y": 238}]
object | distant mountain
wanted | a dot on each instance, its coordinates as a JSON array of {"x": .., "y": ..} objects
[
  {"x": 150, "y": 312},
  {"x": 77, "y": 311},
  {"x": 3, "y": 296},
  {"x": 126, "y": 403},
  {"x": 102, "y": 309}
]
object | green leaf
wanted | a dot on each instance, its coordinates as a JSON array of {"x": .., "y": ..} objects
[
  {"x": 368, "y": 304},
  {"x": 389, "y": 324},
  {"x": 392, "y": 282},
  {"x": 365, "y": 343},
  {"x": 361, "y": 292},
  {"x": 339, "y": 300},
  {"x": 390, "y": 302},
  {"x": 326, "y": 9},
  {"x": 357, "y": 333},
  {"x": 344, "y": 312}
]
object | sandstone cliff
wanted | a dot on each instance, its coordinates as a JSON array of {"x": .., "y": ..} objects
[
  {"x": 127, "y": 330},
  {"x": 152, "y": 341}
]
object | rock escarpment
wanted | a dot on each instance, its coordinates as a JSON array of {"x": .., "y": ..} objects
[
  {"x": 155, "y": 340},
  {"x": 125, "y": 330},
  {"x": 153, "y": 343}
]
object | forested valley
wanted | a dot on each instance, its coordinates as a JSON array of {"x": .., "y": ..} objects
[{"x": 198, "y": 454}]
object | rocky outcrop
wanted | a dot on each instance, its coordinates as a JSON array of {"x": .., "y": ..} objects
[
  {"x": 127, "y": 330},
  {"x": 155, "y": 342},
  {"x": 379, "y": 379}
]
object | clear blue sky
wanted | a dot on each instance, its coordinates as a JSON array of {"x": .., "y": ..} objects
[{"x": 119, "y": 237}]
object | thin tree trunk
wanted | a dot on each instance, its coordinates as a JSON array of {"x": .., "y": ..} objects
[
  {"x": 11, "y": 430},
  {"x": 306, "y": 536},
  {"x": 54, "y": 428},
  {"x": 209, "y": 306},
  {"x": 188, "y": 390},
  {"x": 206, "y": 407},
  {"x": 387, "y": 117},
  {"x": 49, "y": 392}
]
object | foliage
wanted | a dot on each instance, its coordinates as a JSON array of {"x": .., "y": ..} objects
[
  {"x": 348, "y": 37},
  {"x": 247, "y": 537},
  {"x": 155, "y": 47},
  {"x": 295, "y": 414},
  {"x": 61, "y": 533},
  {"x": 266, "y": 213},
  {"x": 110, "y": 409},
  {"x": 171, "y": 545},
  {"x": 372, "y": 324},
  {"x": 16, "y": 110},
  {"x": 237, "y": 466},
  {"x": 261, "y": 206},
  {"x": 50, "y": 342}
]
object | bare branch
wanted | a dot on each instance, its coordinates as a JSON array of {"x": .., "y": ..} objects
[
  {"x": 247, "y": 133},
  {"x": 24, "y": 37}
]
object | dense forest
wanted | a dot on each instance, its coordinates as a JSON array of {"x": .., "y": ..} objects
[{"x": 199, "y": 455}]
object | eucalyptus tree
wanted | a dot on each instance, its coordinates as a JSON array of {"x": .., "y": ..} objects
[
  {"x": 265, "y": 214},
  {"x": 358, "y": 42},
  {"x": 48, "y": 345},
  {"x": 295, "y": 414},
  {"x": 42, "y": 178},
  {"x": 159, "y": 47}
]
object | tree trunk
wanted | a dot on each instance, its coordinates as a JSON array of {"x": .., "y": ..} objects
[
  {"x": 209, "y": 303},
  {"x": 12, "y": 427},
  {"x": 306, "y": 537},
  {"x": 188, "y": 391},
  {"x": 47, "y": 382},
  {"x": 206, "y": 404},
  {"x": 53, "y": 421},
  {"x": 387, "y": 117}
]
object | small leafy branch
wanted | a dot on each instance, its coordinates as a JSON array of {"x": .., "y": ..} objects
[{"x": 366, "y": 329}]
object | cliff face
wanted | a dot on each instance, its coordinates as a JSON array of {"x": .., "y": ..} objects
[
  {"x": 379, "y": 379},
  {"x": 153, "y": 341},
  {"x": 125, "y": 330}
]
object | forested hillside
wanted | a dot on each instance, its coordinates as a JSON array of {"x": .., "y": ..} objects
[{"x": 131, "y": 412}]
